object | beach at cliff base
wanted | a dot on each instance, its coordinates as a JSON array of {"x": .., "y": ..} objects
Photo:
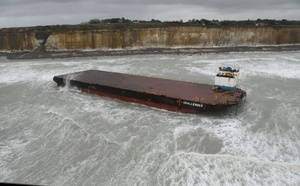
[{"x": 144, "y": 51}]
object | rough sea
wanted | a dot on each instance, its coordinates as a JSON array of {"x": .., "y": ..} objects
[{"x": 51, "y": 135}]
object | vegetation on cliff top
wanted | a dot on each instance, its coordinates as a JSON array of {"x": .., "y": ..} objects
[
  {"x": 124, "y": 33},
  {"x": 203, "y": 22},
  {"x": 122, "y": 23}
]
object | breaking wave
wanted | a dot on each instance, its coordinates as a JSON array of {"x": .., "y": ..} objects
[{"x": 59, "y": 136}]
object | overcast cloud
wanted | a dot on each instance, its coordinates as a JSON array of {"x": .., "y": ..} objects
[{"x": 17, "y": 13}]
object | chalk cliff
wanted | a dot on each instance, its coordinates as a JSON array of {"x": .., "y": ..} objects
[{"x": 120, "y": 36}]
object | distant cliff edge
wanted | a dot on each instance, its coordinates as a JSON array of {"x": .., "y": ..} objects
[{"x": 137, "y": 35}]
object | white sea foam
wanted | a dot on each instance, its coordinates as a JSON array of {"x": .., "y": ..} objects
[
  {"x": 197, "y": 169},
  {"x": 264, "y": 144},
  {"x": 255, "y": 65},
  {"x": 61, "y": 136}
]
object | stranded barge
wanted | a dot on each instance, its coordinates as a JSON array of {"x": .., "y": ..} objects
[{"x": 166, "y": 94}]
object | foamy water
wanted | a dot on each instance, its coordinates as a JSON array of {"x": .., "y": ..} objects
[{"x": 60, "y": 136}]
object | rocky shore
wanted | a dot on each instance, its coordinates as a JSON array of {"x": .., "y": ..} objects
[{"x": 145, "y": 51}]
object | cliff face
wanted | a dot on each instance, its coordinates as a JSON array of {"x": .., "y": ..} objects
[
  {"x": 136, "y": 37},
  {"x": 19, "y": 41}
]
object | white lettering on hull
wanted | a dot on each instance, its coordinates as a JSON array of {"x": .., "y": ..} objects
[{"x": 192, "y": 104}]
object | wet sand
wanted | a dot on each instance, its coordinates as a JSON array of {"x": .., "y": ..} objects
[{"x": 145, "y": 51}]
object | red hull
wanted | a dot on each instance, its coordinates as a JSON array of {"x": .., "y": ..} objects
[
  {"x": 165, "y": 94},
  {"x": 133, "y": 100}
]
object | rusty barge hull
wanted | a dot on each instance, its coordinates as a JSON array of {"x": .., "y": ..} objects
[{"x": 166, "y": 94}]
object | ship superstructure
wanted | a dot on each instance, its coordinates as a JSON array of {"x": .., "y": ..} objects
[{"x": 226, "y": 78}]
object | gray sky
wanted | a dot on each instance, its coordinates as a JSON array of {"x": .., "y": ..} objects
[{"x": 17, "y": 13}]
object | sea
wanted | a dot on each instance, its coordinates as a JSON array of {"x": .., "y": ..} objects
[{"x": 53, "y": 135}]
